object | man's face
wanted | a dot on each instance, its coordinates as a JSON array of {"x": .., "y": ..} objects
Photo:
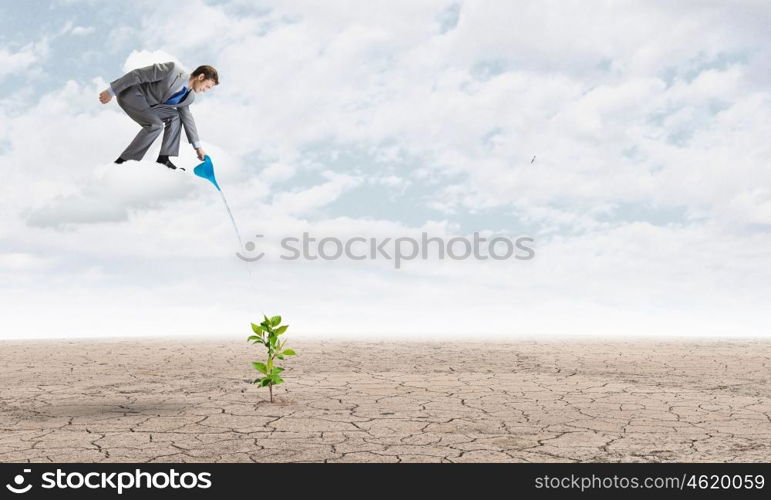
[{"x": 201, "y": 85}]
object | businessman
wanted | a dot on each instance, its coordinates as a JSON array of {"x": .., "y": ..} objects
[{"x": 158, "y": 98}]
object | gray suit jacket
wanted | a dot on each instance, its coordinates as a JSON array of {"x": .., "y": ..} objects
[{"x": 158, "y": 83}]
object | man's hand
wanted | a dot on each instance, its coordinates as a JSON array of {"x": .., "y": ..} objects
[
  {"x": 105, "y": 97},
  {"x": 201, "y": 153}
]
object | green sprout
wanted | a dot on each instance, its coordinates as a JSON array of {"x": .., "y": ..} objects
[{"x": 267, "y": 333}]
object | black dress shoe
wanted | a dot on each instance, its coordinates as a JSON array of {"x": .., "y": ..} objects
[{"x": 167, "y": 162}]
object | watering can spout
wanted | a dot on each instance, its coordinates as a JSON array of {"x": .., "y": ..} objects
[{"x": 206, "y": 170}]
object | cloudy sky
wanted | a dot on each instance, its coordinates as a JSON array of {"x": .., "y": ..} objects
[{"x": 649, "y": 201}]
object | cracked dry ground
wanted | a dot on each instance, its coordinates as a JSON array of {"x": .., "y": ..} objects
[{"x": 167, "y": 400}]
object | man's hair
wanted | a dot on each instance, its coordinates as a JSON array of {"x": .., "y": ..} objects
[{"x": 208, "y": 72}]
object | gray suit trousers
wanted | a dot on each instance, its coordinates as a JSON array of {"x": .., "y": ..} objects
[{"x": 153, "y": 120}]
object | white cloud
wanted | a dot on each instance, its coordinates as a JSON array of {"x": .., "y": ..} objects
[
  {"x": 650, "y": 122},
  {"x": 278, "y": 172},
  {"x": 18, "y": 62},
  {"x": 82, "y": 30},
  {"x": 112, "y": 191},
  {"x": 303, "y": 201},
  {"x": 23, "y": 262},
  {"x": 142, "y": 58}
]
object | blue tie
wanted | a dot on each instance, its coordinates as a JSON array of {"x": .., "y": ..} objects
[{"x": 176, "y": 98}]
